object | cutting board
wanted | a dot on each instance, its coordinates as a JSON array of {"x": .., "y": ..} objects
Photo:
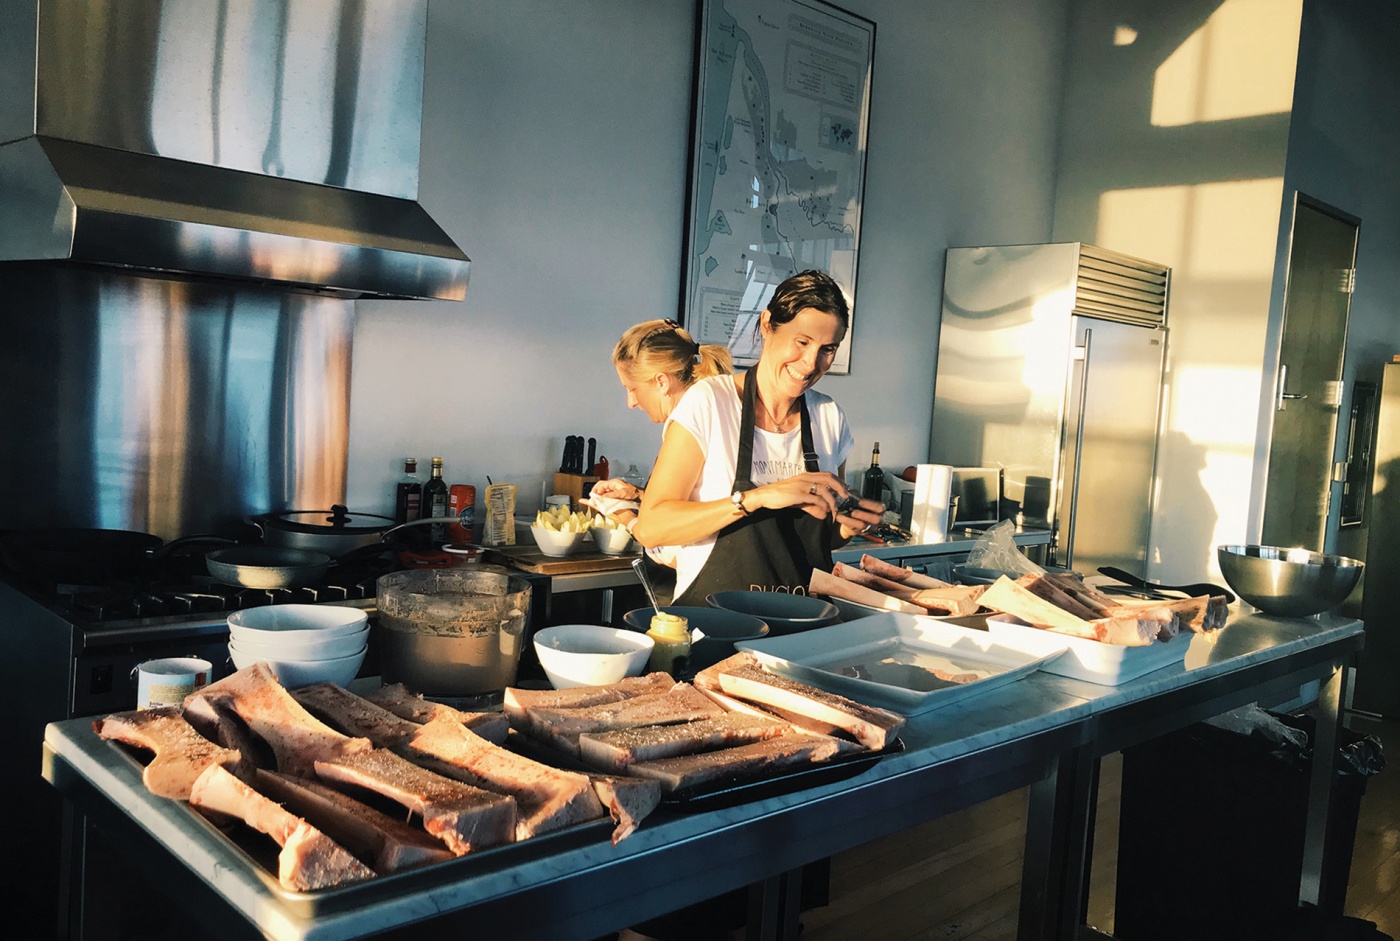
[{"x": 531, "y": 559}]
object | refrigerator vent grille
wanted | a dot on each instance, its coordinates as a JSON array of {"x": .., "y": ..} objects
[{"x": 1117, "y": 287}]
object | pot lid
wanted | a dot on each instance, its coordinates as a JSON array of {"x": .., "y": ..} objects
[{"x": 337, "y": 519}]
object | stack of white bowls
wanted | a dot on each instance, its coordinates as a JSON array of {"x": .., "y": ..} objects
[{"x": 301, "y": 643}]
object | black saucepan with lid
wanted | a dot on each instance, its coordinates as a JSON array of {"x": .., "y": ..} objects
[{"x": 333, "y": 532}]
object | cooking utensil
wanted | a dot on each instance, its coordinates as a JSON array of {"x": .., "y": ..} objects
[
  {"x": 334, "y": 532},
  {"x": 1288, "y": 582},
  {"x": 639, "y": 566},
  {"x": 267, "y": 566},
  {"x": 1193, "y": 590},
  {"x": 592, "y": 454}
]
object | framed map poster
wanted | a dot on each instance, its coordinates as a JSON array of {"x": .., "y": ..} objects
[{"x": 778, "y": 161}]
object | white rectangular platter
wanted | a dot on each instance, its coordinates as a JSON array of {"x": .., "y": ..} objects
[
  {"x": 889, "y": 660},
  {"x": 1089, "y": 660}
]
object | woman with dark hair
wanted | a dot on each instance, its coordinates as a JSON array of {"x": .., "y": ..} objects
[{"x": 749, "y": 482}]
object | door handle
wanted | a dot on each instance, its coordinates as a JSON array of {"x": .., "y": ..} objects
[{"x": 1283, "y": 384}]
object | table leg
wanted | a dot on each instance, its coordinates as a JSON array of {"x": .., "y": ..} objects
[
  {"x": 1324, "y": 766},
  {"x": 774, "y": 907},
  {"x": 1055, "y": 867}
]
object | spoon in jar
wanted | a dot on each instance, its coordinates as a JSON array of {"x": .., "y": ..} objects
[{"x": 639, "y": 566}]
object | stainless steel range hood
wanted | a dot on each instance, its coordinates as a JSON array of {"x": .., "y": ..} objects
[{"x": 275, "y": 141}]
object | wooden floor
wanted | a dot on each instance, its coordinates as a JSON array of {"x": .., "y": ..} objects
[{"x": 959, "y": 877}]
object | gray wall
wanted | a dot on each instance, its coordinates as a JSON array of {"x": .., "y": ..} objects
[{"x": 555, "y": 147}]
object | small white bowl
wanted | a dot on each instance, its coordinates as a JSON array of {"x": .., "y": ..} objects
[
  {"x": 590, "y": 655},
  {"x": 295, "y": 622},
  {"x": 554, "y": 543},
  {"x": 294, "y": 674},
  {"x": 282, "y": 647},
  {"x": 611, "y": 541}
]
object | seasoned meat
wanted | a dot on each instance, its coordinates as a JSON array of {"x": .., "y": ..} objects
[
  {"x": 874, "y": 728},
  {"x": 615, "y": 751},
  {"x": 181, "y": 753},
  {"x": 690, "y": 770},
  {"x": 386, "y": 845},
  {"x": 906, "y": 577},
  {"x": 517, "y": 701},
  {"x": 309, "y": 859},
  {"x": 464, "y": 817},
  {"x": 546, "y": 798},
  {"x": 397, "y": 698},
  {"x": 354, "y": 715},
  {"x": 297, "y": 738},
  {"x": 562, "y": 727},
  {"x": 628, "y": 800}
]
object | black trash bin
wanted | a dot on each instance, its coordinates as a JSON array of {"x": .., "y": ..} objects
[{"x": 1211, "y": 827}]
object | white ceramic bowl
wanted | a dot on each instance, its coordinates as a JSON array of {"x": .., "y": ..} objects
[
  {"x": 590, "y": 655},
  {"x": 294, "y": 674},
  {"x": 295, "y": 622},
  {"x": 611, "y": 541},
  {"x": 320, "y": 647},
  {"x": 555, "y": 543}
]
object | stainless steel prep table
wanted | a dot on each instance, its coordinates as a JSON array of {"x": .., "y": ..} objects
[{"x": 1043, "y": 731}]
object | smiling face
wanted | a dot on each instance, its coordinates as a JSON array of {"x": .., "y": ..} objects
[
  {"x": 652, "y": 396},
  {"x": 798, "y": 353}
]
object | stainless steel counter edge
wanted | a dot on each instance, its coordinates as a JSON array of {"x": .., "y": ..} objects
[
  {"x": 1017, "y": 713},
  {"x": 955, "y": 543}
]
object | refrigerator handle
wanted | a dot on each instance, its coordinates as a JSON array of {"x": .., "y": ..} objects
[
  {"x": 1282, "y": 385},
  {"x": 1081, "y": 355}
]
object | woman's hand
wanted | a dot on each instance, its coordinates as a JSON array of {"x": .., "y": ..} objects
[{"x": 617, "y": 488}]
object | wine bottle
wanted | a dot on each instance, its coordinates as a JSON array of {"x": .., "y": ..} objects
[
  {"x": 408, "y": 492},
  {"x": 873, "y": 484},
  {"x": 435, "y": 503}
]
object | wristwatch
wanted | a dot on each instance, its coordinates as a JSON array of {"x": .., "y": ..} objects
[{"x": 737, "y": 498}]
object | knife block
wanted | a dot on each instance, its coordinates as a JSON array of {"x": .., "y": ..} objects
[{"x": 576, "y": 486}]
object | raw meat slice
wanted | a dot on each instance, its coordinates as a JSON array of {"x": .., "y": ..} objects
[
  {"x": 1042, "y": 587},
  {"x": 1008, "y": 597},
  {"x": 690, "y": 770},
  {"x": 872, "y": 727},
  {"x": 615, "y": 751},
  {"x": 708, "y": 678},
  {"x": 355, "y": 716},
  {"x": 385, "y": 844},
  {"x": 824, "y": 583},
  {"x": 465, "y": 818},
  {"x": 546, "y": 798},
  {"x": 860, "y": 576},
  {"x": 799, "y": 723},
  {"x": 519, "y": 700},
  {"x": 297, "y": 738},
  {"x": 396, "y": 697},
  {"x": 895, "y": 573},
  {"x": 181, "y": 753},
  {"x": 628, "y": 800},
  {"x": 309, "y": 859},
  {"x": 562, "y": 727},
  {"x": 217, "y": 721}
]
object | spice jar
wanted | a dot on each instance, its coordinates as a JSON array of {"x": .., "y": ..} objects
[{"x": 671, "y": 634}]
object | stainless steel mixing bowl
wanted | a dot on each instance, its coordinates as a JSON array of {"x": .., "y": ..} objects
[{"x": 1288, "y": 582}]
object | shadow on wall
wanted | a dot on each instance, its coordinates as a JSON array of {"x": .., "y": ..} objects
[
  {"x": 1173, "y": 145},
  {"x": 1184, "y": 499}
]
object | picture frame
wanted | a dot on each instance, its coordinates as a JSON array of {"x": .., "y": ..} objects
[{"x": 777, "y": 166}]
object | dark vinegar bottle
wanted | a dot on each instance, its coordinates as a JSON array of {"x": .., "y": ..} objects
[
  {"x": 435, "y": 502},
  {"x": 872, "y": 485},
  {"x": 408, "y": 492}
]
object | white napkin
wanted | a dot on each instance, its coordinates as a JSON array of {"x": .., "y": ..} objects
[{"x": 610, "y": 506}]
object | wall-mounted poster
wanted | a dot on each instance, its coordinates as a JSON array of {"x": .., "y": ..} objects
[{"x": 778, "y": 166}]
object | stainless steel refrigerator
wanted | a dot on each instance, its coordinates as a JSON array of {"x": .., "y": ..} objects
[{"x": 1050, "y": 362}]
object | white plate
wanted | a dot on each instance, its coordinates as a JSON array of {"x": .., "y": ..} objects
[
  {"x": 1089, "y": 660},
  {"x": 885, "y": 660}
]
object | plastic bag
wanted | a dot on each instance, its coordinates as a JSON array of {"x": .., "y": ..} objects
[
  {"x": 1251, "y": 721},
  {"x": 1357, "y": 754},
  {"x": 996, "y": 550}
]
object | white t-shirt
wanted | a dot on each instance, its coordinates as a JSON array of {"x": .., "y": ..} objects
[{"x": 711, "y": 411}]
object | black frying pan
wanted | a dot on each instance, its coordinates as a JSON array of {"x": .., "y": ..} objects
[
  {"x": 267, "y": 566},
  {"x": 84, "y": 556}
]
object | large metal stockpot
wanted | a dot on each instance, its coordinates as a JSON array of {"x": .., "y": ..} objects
[{"x": 333, "y": 532}]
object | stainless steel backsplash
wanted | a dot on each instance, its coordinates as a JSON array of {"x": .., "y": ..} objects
[{"x": 167, "y": 406}]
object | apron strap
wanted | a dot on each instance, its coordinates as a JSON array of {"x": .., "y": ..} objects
[{"x": 743, "y": 464}]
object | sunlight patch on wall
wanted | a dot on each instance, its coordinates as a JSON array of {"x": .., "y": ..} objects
[
  {"x": 1218, "y": 231},
  {"x": 1239, "y": 64}
]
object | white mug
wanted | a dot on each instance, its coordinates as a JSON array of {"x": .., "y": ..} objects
[{"x": 167, "y": 682}]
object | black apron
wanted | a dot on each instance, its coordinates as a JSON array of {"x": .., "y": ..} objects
[{"x": 768, "y": 550}]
